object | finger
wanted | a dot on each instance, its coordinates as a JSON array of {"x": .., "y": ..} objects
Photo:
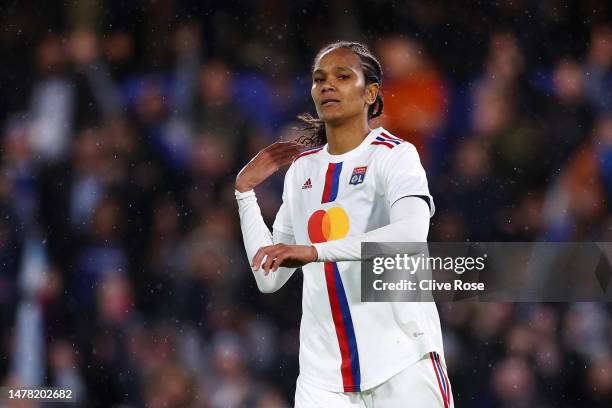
[
  {"x": 284, "y": 154},
  {"x": 281, "y": 145},
  {"x": 285, "y": 161},
  {"x": 263, "y": 265},
  {"x": 268, "y": 263},
  {"x": 287, "y": 143},
  {"x": 278, "y": 262},
  {"x": 258, "y": 258},
  {"x": 255, "y": 258},
  {"x": 273, "y": 254},
  {"x": 282, "y": 161},
  {"x": 272, "y": 158},
  {"x": 266, "y": 266}
]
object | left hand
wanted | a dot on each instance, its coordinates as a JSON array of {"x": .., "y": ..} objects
[{"x": 289, "y": 256}]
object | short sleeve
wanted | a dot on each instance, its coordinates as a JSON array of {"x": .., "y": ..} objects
[
  {"x": 403, "y": 175},
  {"x": 283, "y": 221}
]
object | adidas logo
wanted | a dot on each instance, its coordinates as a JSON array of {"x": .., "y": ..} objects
[{"x": 307, "y": 184}]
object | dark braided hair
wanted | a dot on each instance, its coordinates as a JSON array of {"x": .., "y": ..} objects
[{"x": 372, "y": 71}]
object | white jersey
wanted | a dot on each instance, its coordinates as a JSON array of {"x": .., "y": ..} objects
[{"x": 347, "y": 345}]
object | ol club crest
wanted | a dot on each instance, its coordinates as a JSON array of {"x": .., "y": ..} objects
[{"x": 358, "y": 175}]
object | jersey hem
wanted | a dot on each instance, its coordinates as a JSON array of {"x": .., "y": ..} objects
[{"x": 371, "y": 384}]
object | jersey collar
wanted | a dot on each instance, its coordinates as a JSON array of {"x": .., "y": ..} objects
[{"x": 335, "y": 158}]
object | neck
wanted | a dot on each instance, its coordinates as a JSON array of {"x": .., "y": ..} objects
[{"x": 345, "y": 137}]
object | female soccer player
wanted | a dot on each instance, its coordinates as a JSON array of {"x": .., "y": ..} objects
[{"x": 356, "y": 185}]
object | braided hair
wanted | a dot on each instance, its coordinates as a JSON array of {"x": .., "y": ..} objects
[{"x": 372, "y": 71}]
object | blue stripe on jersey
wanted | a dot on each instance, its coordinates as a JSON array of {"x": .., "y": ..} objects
[
  {"x": 350, "y": 330},
  {"x": 335, "y": 182},
  {"x": 437, "y": 359},
  {"x": 384, "y": 139}
]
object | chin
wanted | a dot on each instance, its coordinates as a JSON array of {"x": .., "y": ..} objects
[{"x": 333, "y": 118}]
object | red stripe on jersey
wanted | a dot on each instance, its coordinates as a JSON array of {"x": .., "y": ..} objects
[
  {"x": 307, "y": 152},
  {"x": 433, "y": 362},
  {"x": 440, "y": 372},
  {"x": 329, "y": 181},
  {"x": 345, "y": 368},
  {"x": 388, "y": 136},
  {"x": 449, "y": 394},
  {"x": 389, "y": 145}
]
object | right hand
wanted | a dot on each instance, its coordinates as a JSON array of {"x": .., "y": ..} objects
[{"x": 265, "y": 163}]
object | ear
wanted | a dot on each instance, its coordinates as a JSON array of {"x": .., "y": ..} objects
[{"x": 371, "y": 92}]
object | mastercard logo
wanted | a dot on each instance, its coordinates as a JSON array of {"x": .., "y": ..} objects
[{"x": 328, "y": 225}]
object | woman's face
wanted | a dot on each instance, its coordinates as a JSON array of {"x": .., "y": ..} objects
[{"x": 338, "y": 89}]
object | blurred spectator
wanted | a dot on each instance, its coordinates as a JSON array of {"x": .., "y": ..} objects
[
  {"x": 600, "y": 382},
  {"x": 20, "y": 169},
  {"x": 598, "y": 75},
  {"x": 216, "y": 112},
  {"x": 471, "y": 178},
  {"x": 413, "y": 90},
  {"x": 63, "y": 366},
  {"x": 567, "y": 116},
  {"x": 172, "y": 386},
  {"x": 83, "y": 49},
  {"x": 514, "y": 384},
  {"x": 505, "y": 63},
  {"x": 11, "y": 242},
  {"x": 52, "y": 103},
  {"x": 513, "y": 141},
  {"x": 234, "y": 386},
  {"x": 577, "y": 203}
]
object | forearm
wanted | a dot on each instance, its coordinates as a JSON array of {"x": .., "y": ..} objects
[
  {"x": 255, "y": 235},
  {"x": 409, "y": 223}
]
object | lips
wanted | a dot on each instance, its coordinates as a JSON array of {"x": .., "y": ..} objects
[{"x": 328, "y": 101}]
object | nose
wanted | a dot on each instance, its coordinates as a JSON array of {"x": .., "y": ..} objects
[{"x": 327, "y": 86}]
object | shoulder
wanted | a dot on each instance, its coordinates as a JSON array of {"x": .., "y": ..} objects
[
  {"x": 308, "y": 154},
  {"x": 303, "y": 161},
  {"x": 385, "y": 139},
  {"x": 386, "y": 146}
]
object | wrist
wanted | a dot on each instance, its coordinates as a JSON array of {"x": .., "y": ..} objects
[
  {"x": 242, "y": 186},
  {"x": 314, "y": 254}
]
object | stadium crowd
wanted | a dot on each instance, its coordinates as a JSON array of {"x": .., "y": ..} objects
[{"x": 124, "y": 124}]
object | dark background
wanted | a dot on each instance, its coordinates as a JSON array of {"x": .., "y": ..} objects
[{"x": 124, "y": 123}]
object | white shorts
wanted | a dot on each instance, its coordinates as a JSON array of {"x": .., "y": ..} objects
[{"x": 423, "y": 384}]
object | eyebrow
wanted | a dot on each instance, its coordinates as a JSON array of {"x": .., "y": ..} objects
[{"x": 334, "y": 68}]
